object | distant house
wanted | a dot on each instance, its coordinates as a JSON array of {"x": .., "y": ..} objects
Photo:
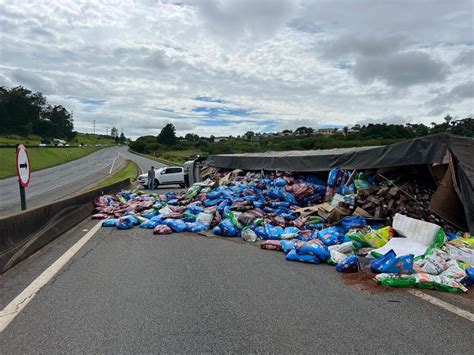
[
  {"x": 255, "y": 138},
  {"x": 352, "y": 130},
  {"x": 220, "y": 139},
  {"x": 327, "y": 131}
]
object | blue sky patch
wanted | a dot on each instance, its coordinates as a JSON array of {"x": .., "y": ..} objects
[
  {"x": 210, "y": 99},
  {"x": 89, "y": 101},
  {"x": 215, "y": 112}
]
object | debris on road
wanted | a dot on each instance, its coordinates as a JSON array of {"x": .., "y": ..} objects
[{"x": 353, "y": 220}]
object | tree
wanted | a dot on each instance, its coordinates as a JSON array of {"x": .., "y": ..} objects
[
  {"x": 248, "y": 135},
  {"x": 122, "y": 138},
  {"x": 303, "y": 130},
  {"x": 190, "y": 137},
  {"x": 167, "y": 135},
  {"x": 114, "y": 132},
  {"x": 448, "y": 119},
  {"x": 345, "y": 130},
  {"x": 61, "y": 121}
]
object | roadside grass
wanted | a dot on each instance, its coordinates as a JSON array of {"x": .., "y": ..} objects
[
  {"x": 128, "y": 171},
  {"x": 12, "y": 139},
  {"x": 41, "y": 158},
  {"x": 175, "y": 157},
  {"x": 84, "y": 138}
]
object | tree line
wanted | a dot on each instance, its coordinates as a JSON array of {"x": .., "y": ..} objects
[
  {"x": 24, "y": 112},
  {"x": 300, "y": 139}
]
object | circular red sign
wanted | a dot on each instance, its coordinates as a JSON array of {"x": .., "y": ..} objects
[{"x": 23, "y": 165}]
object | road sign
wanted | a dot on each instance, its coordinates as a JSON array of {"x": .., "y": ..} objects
[
  {"x": 23, "y": 171},
  {"x": 22, "y": 165}
]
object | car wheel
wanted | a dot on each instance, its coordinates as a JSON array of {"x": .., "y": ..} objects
[
  {"x": 182, "y": 186},
  {"x": 157, "y": 183}
]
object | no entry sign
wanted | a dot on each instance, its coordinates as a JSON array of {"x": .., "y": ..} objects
[{"x": 22, "y": 165}]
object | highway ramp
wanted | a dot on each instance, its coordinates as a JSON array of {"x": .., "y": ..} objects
[{"x": 63, "y": 180}]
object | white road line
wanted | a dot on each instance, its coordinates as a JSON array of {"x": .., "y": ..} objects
[
  {"x": 445, "y": 305},
  {"x": 21, "y": 301},
  {"x": 113, "y": 162}
]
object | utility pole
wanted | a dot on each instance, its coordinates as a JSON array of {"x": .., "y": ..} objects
[{"x": 94, "y": 126}]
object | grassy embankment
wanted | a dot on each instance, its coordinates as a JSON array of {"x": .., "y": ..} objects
[
  {"x": 174, "y": 157},
  {"x": 129, "y": 171},
  {"x": 41, "y": 158},
  {"x": 83, "y": 138}
]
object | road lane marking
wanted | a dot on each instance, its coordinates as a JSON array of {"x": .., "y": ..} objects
[
  {"x": 14, "y": 308},
  {"x": 113, "y": 162},
  {"x": 445, "y": 305}
]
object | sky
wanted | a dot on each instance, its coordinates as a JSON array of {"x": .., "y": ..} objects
[{"x": 224, "y": 67}]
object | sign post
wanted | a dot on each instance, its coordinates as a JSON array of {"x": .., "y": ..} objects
[{"x": 23, "y": 172}]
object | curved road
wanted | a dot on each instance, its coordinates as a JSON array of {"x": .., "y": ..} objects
[{"x": 63, "y": 180}]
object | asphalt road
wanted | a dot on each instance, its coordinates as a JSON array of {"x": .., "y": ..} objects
[
  {"x": 133, "y": 292},
  {"x": 54, "y": 183}
]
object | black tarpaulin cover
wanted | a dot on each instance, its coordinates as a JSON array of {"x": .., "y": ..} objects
[{"x": 426, "y": 150}]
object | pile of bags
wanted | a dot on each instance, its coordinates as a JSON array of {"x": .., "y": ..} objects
[{"x": 291, "y": 213}]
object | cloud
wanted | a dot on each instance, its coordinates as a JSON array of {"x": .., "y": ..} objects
[
  {"x": 401, "y": 69},
  {"x": 32, "y": 81},
  {"x": 456, "y": 94},
  {"x": 466, "y": 58},
  {"x": 368, "y": 46},
  {"x": 392, "y": 119},
  {"x": 245, "y": 18},
  {"x": 438, "y": 110},
  {"x": 228, "y": 66}
]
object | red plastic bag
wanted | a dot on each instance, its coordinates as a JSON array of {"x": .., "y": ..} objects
[
  {"x": 162, "y": 229},
  {"x": 271, "y": 245}
]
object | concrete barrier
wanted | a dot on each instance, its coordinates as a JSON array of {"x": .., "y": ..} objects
[{"x": 24, "y": 233}]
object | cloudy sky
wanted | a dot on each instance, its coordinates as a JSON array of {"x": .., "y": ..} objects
[{"x": 228, "y": 66}]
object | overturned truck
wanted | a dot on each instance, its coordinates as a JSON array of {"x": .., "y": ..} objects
[{"x": 444, "y": 161}]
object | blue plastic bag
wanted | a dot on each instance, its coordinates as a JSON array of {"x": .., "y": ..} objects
[
  {"x": 176, "y": 225},
  {"x": 217, "y": 230},
  {"x": 288, "y": 245},
  {"x": 333, "y": 176},
  {"x": 289, "y": 197},
  {"x": 280, "y": 204},
  {"x": 150, "y": 224},
  {"x": 280, "y": 182},
  {"x": 261, "y": 233},
  {"x": 195, "y": 227},
  {"x": 157, "y": 218},
  {"x": 125, "y": 223},
  {"x": 350, "y": 264},
  {"x": 110, "y": 222},
  {"x": 223, "y": 205},
  {"x": 209, "y": 203},
  {"x": 353, "y": 222},
  {"x": 331, "y": 236},
  {"x": 273, "y": 232},
  {"x": 306, "y": 258},
  {"x": 391, "y": 264},
  {"x": 213, "y": 195},
  {"x": 469, "y": 281},
  {"x": 321, "y": 252},
  {"x": 291, "y": 232},
  {"x": 195, "y": 209},
  {"x": 227, "y": 228},
  {"x": 148, "y": 215}
]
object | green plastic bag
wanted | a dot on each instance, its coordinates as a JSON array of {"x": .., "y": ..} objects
[{"x": 402, "y": 281}]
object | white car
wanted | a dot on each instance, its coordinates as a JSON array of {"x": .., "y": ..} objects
[{"x": 169, "y": 175}]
